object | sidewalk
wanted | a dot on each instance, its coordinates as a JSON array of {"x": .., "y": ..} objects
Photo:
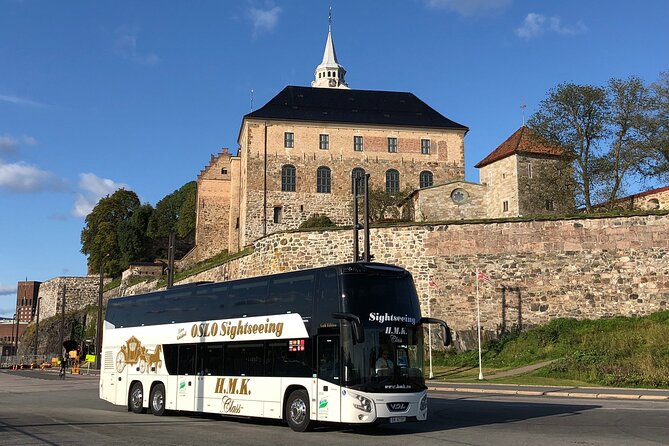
[{"x": 550, "y": 391}]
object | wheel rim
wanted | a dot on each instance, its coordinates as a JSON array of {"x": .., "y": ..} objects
[
  {"x": 298, "y": 411},
  {"x": 157, "y": 401},
  {"x": 137, "y": 397}
]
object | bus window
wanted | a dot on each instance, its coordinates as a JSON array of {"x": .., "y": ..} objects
[
  {"x": 209, "y": 359},
  {"x": 248, "y": 297},
  {"x": 291, "y": 293},
  {"x": 244, "y": 359},
  {"x": 328, "y": 297},
  {"x": 186, "y": 359},
  {"x": 171, "y": 353}
]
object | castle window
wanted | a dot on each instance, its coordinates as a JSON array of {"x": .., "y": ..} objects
[
  {"x": 459, "y": 196},
  {"x": 425, "y": 179},
  {"x": 277, "y": 214},
  {"x": 323, "y": 180},
  {"x": 550, "y": 205},
  {"x": 392, "y": 181},
  {"x": 288, "y": 178},
  {"x": 392, "y": 145},
  {"x": 425, "y": 146},
  {"x": 358, "y": 172},
  {"x": 357, "y": 143},
  {"x": 224, "y": 171},
  {"x": 324, "y": 141},
  {"x": 505, "y": 206},
  {"x": 288, "y": 140}
]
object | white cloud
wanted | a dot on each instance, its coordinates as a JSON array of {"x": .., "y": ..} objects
[
  {"x": 264, "y": 19},
  {"x": 468, "y": 7},
  {"x": 6, "y": 290},
  {"x": 9, "y": 144},
  {"x": 92, "y": 189},
  {"x": 23, "y": 177},
  {"x": 16, "y": 100},
  {"x": 535, "y": 25},
  {"x": 125, "y": 46}
]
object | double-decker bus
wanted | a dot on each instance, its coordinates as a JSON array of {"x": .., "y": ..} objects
[{"x": 335, "y": 344}]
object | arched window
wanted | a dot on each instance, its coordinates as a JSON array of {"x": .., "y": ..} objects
[
  {"x": 323, "y": 180},
  {"x": 288, "y": 178},
  {"x": 392, "y": 181},
  {"x": 358, "y": 172},
  {"x": 425, "y": 179}
]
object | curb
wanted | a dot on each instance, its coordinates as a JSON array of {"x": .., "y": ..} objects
[{"x": 549, "y": 393}]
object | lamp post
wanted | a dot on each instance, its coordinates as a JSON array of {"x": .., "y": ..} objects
[
  {"x": 15, "y": 340},
  {"x": 98, "y": 326},
  {"x": 37, "y": 327}
]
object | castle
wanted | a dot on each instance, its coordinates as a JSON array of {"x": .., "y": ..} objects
[{"x": 299, "y": 152}]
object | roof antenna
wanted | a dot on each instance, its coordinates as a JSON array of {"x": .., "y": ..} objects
[
  {"x": 522, "y": 107},
  {"x": 252, "y": 100}
]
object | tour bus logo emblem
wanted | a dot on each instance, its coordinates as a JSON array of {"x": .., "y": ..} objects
[{"x": 398, "y": 407}]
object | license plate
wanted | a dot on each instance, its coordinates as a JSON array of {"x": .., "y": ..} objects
[{"x": 398, "y": 419}]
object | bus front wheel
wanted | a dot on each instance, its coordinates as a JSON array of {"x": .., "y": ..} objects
[
  {"x": 157, "y": 399},
  {"x": 297, "y": 411}
]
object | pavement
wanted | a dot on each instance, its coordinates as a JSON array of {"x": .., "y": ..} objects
[{"x": 551, "y": 391}]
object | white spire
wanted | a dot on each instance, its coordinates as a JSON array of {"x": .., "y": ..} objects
[{"x": 329, "y": 74}]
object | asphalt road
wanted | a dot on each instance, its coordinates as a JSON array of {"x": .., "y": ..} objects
[{"x": 38, "y": 408}]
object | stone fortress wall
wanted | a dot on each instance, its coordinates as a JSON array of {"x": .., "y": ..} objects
[
  {"x": 541, "y": 270},
  {"x": 79, "y": 293}
]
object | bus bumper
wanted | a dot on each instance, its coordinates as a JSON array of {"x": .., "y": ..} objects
[{"x": 359, "y": 407}]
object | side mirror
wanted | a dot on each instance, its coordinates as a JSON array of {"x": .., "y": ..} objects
[
  {"x": 356, "y": 325},
  {"x": 448, "y": 339}
]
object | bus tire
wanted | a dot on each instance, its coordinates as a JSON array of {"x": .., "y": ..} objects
[
  {"x": 136, "y": 398},
  {"x": 297, "y": 411},
  {"x": 157, "y": 399}
]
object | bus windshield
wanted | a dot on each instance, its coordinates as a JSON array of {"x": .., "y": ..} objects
[{"x": 391, "y": 357}]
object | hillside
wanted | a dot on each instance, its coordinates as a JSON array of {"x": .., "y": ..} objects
[{"x": 621, "y": 351}]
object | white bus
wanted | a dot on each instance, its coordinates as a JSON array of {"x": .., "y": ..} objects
[{"x": 335, "y": 344}]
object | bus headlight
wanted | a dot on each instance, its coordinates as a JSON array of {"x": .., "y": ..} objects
[
  {"x": 364, "y": 404},
  {"x": 423, "y": 403}
]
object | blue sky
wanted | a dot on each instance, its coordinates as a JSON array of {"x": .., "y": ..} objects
[{"x": 98, "y": 95}]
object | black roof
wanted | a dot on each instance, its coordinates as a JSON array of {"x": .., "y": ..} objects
[{"x": 353, "y": 106}]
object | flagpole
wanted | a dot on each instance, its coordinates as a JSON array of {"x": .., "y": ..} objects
[
  {"x": 429, "y": 326},
  {"x": 478, "y": 323}
]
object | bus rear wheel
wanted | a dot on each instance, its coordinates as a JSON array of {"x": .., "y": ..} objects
[
  {"x": 297, "y": 411},
  {"x": 157, "y": 400},
  {"x": 136, "y": 398}
]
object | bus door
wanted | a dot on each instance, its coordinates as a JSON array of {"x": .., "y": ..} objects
[
  {"x": 186, "y": 378},
  {"x": 329, "y": 371}
]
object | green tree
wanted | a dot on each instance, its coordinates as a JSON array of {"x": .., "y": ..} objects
[
  {"x": 575, "y": 117},
  {"x": 99, "y": 238},
  {"x": 174, "y": 213},
  {"x": 383, "y": 206},
  {"x": 629, "y": 111},
  {"x": 657, "y": 130},
  {"x": 133, "y": 242}
]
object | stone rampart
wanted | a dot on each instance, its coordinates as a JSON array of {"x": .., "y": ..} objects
[
  {"x": 79, "y": 293},
  {"x": 541, "y": 270}
]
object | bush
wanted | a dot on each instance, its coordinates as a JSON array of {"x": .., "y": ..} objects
[{"x": 317, "y": 221}]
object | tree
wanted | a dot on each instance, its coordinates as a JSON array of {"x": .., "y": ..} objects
[
  {"x": 657, "y": 130},
  {"x": 174, "y": 213},
  {"x": 99, "y": 238},
  {"x": 629, "y": 113},
  {"x": 574, "y": 116},
  {"x": 383, "y": 206},
  {"x": 133, "y": 242}
]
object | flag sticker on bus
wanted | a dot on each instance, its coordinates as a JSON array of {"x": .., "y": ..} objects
[{"x": 296, "y": 345}]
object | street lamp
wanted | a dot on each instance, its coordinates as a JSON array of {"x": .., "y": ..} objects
[
  {"x": 37, "y": 327},
  {"x": 98, "y": 326}
]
